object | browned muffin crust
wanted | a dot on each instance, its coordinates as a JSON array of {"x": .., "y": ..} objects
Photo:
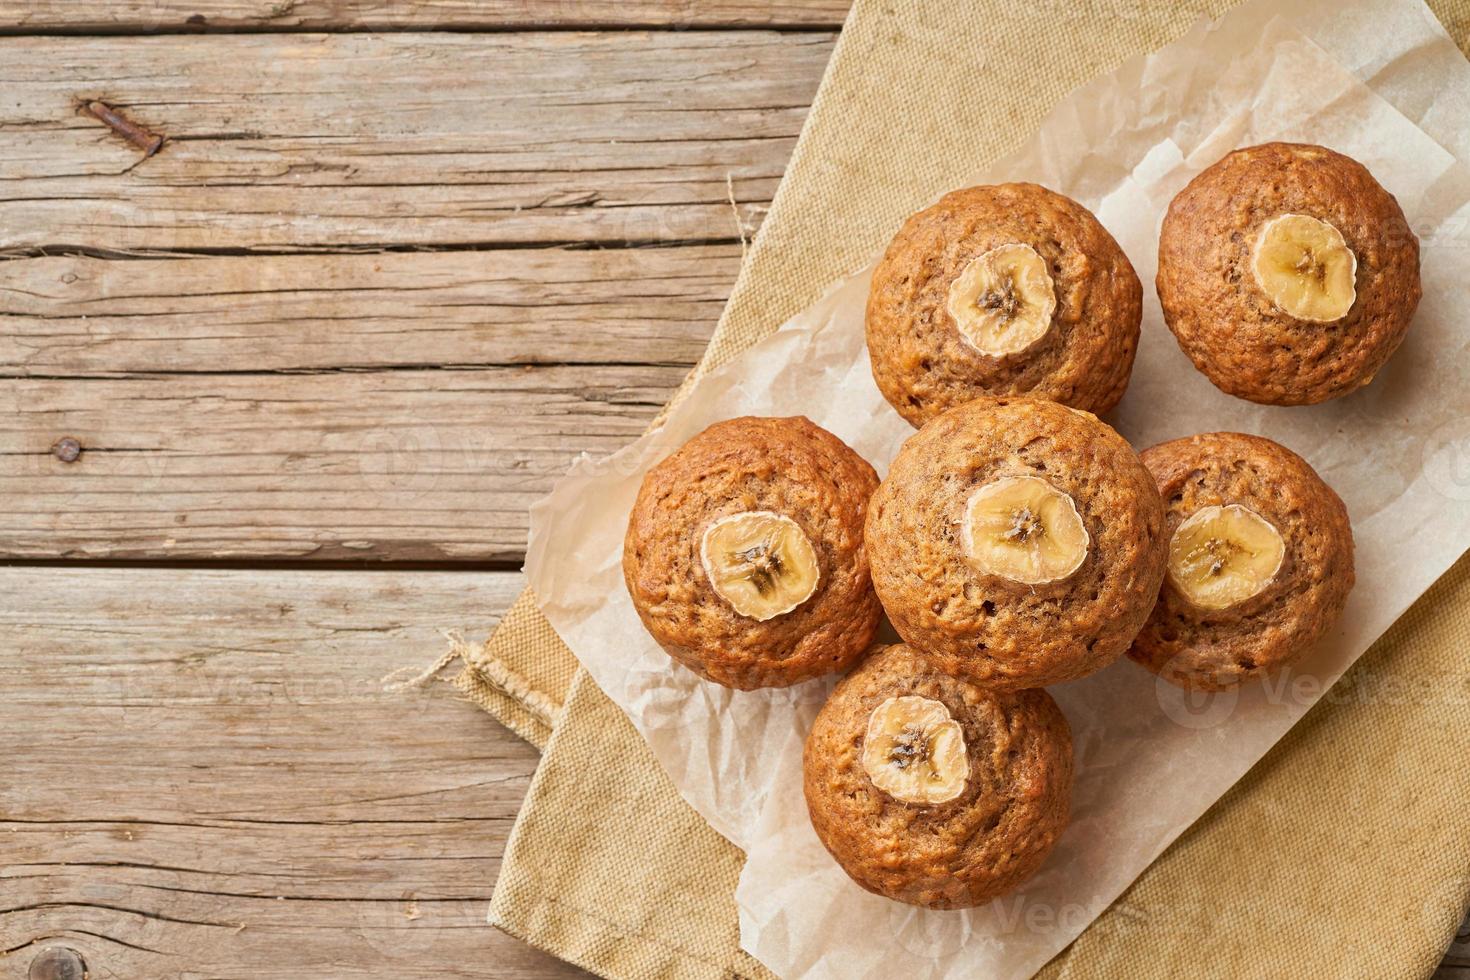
[
  {"x": 981, "y": 844},
  {"x": 1211, "y": 650},
  {"x": 786, "y": 465},
  {"x": 921, "y": 362},
  {"x": 1226, "y": 323},
  {"x": 1000, "y": 633}
]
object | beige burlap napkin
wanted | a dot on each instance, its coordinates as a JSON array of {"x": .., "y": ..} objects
[{"x": 1344, "y": 853}]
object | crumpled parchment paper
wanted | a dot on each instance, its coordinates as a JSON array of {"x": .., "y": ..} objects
[{"x": 1378, "y": 80}]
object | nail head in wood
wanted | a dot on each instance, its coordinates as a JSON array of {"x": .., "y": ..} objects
[
  {"x": 67, "y": 449},
  {"x": 58, "y": 963},
  {"x": 140, "y": 136}
]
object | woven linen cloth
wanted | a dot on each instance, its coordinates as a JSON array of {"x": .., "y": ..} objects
[{"x": 1344, "y": 853}]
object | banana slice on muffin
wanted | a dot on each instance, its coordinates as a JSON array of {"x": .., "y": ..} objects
[
  {"x": 1024, "y": 529},
  {"x": 1221, "y": 556},
  {"x": 1260, "y": 560},
  {"x": 1287, "y": 274},
  {"x": 744, "y": 554},
  {"x": 1003, "y": 301},
  {"x": 914, "y": 750},
  {"x": 1017, "y": 542},
  {"x": 1306, "y": 268},
  {"x": 761, "y": 563},
  {"x": 1009, "y": 289},
  {"x": 931, "y": 790}
]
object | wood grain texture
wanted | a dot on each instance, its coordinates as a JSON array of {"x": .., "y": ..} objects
[
  {"x": 77, "y": 317},
  {"x": 356, "y": 402},
  {"x": 312, "y": 141},
  {"x": 437, "y": 464},
  {"x": 40, "y": 16},
  {"x": 388, "y": 406},
  {"x": 205, "y": 777}
]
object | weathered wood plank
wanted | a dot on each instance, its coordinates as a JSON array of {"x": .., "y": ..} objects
[
  {"x": 172, "y": 375},
  {"x": 205, "y": 777},
  {"x": 37, "y": 16},
  {"x": 303, "y": 141},
  {"x": 77, "y": 316},
  {"x": 437, "y": 464}
]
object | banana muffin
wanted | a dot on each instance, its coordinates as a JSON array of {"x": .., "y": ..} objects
[
  {"x": 1017, "y": 542},
  {"x": 1260, "y": 560},
  {"x": 1008, "y": 289},
  {"x": 1287, "y": 274},
  {"x": 744, "y": 553},
  {"x": 931, "y": 790}
]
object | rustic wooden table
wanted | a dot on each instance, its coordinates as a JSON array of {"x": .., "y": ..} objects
[{"x": 275, "y": 400}]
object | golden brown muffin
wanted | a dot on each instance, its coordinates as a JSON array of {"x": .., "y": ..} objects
[
  {"x": 1287, "y": 274},
  {"x": 744, "y": 553},
  {"x": 1017, "y": 542},
  {"x": 1260, "y": 570},
  {"x": 931, "y": 790},
  {"x": 1009, "y": 289}
]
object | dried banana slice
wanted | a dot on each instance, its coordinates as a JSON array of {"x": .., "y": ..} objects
[
  {"x": 1306, "y": 268},
  {"x": 915, "y": 751},
  {"x": 1003, "y": 300},
  {"x": 1024, "y": 529},
  {"x": 1222, "y": 556},
  {"x": 761, "y": 563}
]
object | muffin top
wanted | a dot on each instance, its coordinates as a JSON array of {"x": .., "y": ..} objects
[
  {"x": 1260, "y": 560},
  {"x": 1009, "y": 289},
  {"x": 1287, "y": 273},
  {"x": 1017, "y": 541},
  {"x": 931, "y": 790},
  {"x": 744, "y": 553}
]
